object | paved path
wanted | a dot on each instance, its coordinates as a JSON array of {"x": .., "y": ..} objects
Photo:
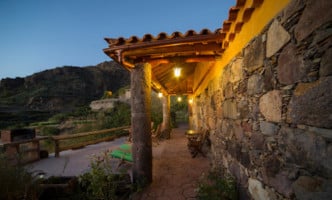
[
  {"x": 175, "y": 172},
  {"x": 73, "y": 162}
]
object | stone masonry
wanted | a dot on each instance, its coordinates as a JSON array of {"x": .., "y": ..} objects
[{"x": 270, "y": 111}]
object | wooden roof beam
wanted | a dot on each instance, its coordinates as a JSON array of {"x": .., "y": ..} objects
[{"x": 195, "y": 48}]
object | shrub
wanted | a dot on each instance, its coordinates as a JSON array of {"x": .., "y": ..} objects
[
  {"x": 58, "y": 118},
  {"x": 116, "y": 117},
  {"x": 101, "y": 183},
  {"x": 49, "y": 131},
  {"x": 217, "y": 185},
  {"x": 16, "y": 182}
]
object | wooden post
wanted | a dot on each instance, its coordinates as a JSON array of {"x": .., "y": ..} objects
[
  {"x": 56, "y": 148},
  {"x": 166, "y": 124},
  {"x": 141, "y": 123}
]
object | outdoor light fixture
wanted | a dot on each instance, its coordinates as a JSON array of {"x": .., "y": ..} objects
[
  {"x": 179, "y": 99},
  {"x": 160, "y": 94},
  {"x": 177, "y": 72}
]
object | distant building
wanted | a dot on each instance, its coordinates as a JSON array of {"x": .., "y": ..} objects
[{"x": 109, "y": 103}]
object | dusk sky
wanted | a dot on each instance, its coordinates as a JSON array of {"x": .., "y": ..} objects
[{"x": 36, "y": 35}]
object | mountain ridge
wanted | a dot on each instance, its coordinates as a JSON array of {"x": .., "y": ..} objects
[{"x": 61, "y": 89}]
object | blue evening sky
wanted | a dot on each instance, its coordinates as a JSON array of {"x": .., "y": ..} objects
[{"x": 36, "y": 35}]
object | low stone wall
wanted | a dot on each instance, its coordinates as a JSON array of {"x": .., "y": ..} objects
[{"x": 270, "y": 111}]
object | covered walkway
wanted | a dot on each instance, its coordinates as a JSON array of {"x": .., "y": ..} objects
[{"x": 175, "y": 172}]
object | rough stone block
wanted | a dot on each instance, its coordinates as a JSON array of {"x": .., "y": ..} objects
[
  {"x": 306, "y": 149},
  {"x": 238, "y": 132},
  {"x": 326, "y": 64},
  {"x": 243, "y": 109},
  {"x": 212, "y": 123},
  {"x": 236, "y": 70},
  {"x": 306, "y": 187},
  {"x": 271, "y": 166},
  {"x": 277, "y": 37},
  {"x": 290, "y": 65},
  {"x": 234, "y": 149},
  {"x": 292, "y": 8},
  {"x": 270, "y": 106},
  {"x": 254, "y": 54},
  {"x": 270, "y": 81},
  {"x": 225, "y": 77},
  {"x": 229, "y": 91},
  {"x": 245, "y": 159},
  {"x": 268, "y": 128},
  {"x": 257, "y": 141},
  {"x": 256, "y": 190},
  {"x": 230, "y": 109},
  {"x": 246, "y": 126},
  {"x": 316, "y": 13},
  {"x": 282, "y": 184},
  {"x": 311, "y": 104},
  {"x": 255, "y": 84}
]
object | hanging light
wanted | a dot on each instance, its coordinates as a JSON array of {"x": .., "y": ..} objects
[
  {"x": 160, "y": 94},
  {"x": 179, "y": 99},
  {"x": 177, "y": 72}
]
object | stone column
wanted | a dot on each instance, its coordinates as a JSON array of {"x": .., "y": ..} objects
[
  {"x": 166, "y": 124},
  {"x": 141, "y": 123},
  {"x": 190, "y": 113}
]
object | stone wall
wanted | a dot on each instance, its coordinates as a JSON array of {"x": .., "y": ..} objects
[{"x": 270, "y": 111}]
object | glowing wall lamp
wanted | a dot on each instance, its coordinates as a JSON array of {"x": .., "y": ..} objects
[
  {"x": 179, "y": 99},
  {"x": 160, "y": 94},
  {"x": 177, "y": 72},
  {"x": 191, "y": 101}
]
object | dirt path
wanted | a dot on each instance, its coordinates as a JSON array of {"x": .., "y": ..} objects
[{"x": 175, "y": 172}]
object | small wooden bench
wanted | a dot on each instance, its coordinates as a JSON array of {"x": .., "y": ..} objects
[{"x": 195, "y": 144}]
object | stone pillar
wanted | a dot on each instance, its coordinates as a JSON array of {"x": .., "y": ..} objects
[
  {"x": 166, "y": 124},
  {"x": 141, "y": 123},
  {"x": 190, "y": 114}
]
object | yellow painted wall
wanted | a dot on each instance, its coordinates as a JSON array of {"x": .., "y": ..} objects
[{"x": 259, "y": 19}]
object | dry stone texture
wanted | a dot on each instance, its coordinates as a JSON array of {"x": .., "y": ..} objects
[
  {"x": 270, "y": 106},
  {"x": 254, "y": 55},
  {"x": 236, "y": 70},
  {"x": 311, "y": 104},
  {"x": 290, "y": 66},
  {"x": 277, "y": 37},
  {"x": 314, "y": 15}
]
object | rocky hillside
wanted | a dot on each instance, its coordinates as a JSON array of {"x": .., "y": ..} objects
[{"x": 61, "y": 89}]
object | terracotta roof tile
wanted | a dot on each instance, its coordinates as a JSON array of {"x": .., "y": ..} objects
[
  {"x": 161, "y": 36},
  {"x": 238, "y": 15},
  {"x": 189, "y": 49}
]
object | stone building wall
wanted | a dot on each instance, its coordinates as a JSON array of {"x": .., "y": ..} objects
[
  {"x": 103, "y": 104},
  {"x": 106, "y": 104},
  {"x": 270, "y": 111}
]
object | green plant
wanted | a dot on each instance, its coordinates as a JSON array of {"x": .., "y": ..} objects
[
  {"x": 217, "y": 185},
  {"x": 116, "y": 117},
  {"x": 101, "y": 183},
  {"x": 49, "y": 131},
  {"x": 16, "y": 182},
  {"x": 58, "y": 118},
  {"x": 121, "y": 91}
]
